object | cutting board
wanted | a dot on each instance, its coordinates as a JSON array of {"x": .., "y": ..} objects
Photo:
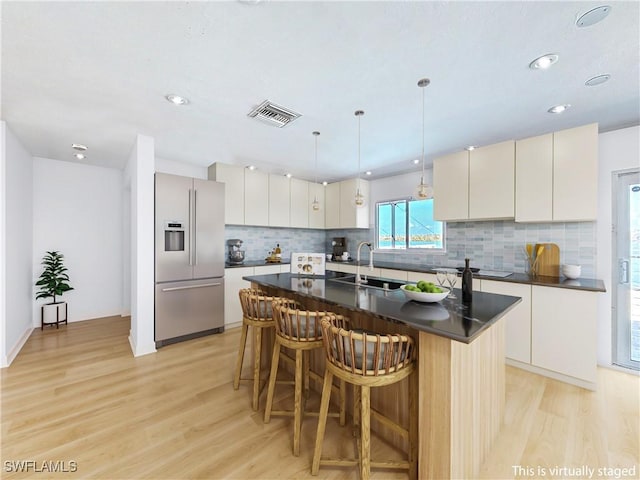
[{"x": 549, "y": 260}]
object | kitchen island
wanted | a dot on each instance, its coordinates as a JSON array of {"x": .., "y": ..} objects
[{"x": 460, "y": 365}]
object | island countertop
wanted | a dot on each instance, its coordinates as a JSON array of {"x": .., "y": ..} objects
[{"x": 448, "y": 318}]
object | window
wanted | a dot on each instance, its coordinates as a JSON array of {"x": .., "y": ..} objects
[{"x": 408, "y": 225}]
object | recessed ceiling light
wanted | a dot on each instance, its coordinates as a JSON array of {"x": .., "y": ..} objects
[
  {"x": 470, "y": 148},
  {"x": 325, "y": 183},
  {"x": 176, "y": 99},
  {"x": 251, "y": 167},
  {"x": 79, "y": 147},
  {"x": 368, "y": 172},
  {"x": 416, "y": 161},
  {"x": 79, "y": 156},
  {"x": 593, "y": 16},
  {"x": 288, "y": 175},
  {"x": 597, "y": 80},
  {"x": 559, "y": 108},
  {"x": 544, "y": 62}
]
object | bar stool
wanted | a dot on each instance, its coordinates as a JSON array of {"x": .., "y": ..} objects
[
  {"x": 300, "y": 331},
  {"x": 256, "y": 313},
  {"x": 365, "y": 361}
]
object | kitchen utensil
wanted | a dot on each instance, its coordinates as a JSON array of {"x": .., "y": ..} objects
[
  {"x": 547, "y": 262},
  {"x": 571, "y": 271}
]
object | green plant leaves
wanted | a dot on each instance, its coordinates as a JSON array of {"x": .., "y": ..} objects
[{"x": 53, "y": 280}]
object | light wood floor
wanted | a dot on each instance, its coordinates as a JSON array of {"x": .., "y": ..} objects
[{"x": 77, "y": 394}]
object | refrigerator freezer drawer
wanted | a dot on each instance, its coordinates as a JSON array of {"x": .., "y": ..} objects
[{"x": 188, "y": 307}]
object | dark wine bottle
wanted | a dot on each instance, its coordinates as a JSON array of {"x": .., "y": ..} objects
[{"x": 467, "y": 282}]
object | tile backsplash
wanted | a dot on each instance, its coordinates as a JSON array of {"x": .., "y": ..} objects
[{"x": 493, "y": 245}]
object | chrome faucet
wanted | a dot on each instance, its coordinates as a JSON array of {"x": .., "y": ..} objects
[{"x": 359, "y": 279}]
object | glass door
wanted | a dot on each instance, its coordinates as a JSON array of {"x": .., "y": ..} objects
[{"x": 626, "y": 271}]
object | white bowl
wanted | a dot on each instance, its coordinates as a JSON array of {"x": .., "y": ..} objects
[
  {"x": 425, "y": 297},
  {"x": 571, "y": 271}
]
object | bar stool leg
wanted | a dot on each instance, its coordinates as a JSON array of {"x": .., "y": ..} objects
[
  {"x": 272, "y": 381},
  {"x": 243, "y": 342},
  {"x": 306, "y": 367},
  {"x": 322, "y": 421},
  {"x": 413, "y": 425},
  {"x": 343, "y": 403},
  {"x": 256, "y": 366},
  {"x": 365, "y": 433},
  {"x": 297, "y": 414}
]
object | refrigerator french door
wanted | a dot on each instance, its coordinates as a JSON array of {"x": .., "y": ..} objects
[{"x": 189, "y": 258}]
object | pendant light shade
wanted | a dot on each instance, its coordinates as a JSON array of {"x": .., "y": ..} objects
[
  {"x": 423, "y": 191},
  {"x": 359, "y": 198},
  {"x": 315, "y": 205}
]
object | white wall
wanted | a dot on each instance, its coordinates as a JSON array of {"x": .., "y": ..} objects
[
  {"x": 618, "y": 150},
  {"x": 178, "y": 168},
  {"x": 77, "y": 211},
  {"x": 17, "y": 234},
  {"x": 393, "y": 188},
  {"x": 139, "y": 176}
]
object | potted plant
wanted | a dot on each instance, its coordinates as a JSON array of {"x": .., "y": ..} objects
[{"x": 53, "y": 282}]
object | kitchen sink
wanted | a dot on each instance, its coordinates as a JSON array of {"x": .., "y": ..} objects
[{"x": 371, "y": 282}]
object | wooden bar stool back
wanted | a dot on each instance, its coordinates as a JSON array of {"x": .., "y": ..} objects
[
  {"x": 367, "y": 360},
  {"x": 257, "y": 312},
  {"x": 299, "y": 330}
]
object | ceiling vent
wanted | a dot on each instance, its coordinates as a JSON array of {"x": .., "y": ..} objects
[{"x": 273, "y": 114}]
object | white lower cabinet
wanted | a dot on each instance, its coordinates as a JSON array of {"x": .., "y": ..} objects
[
  {"x": 563, "y": 331},
  {"x": 233, "y": 283},
  {"x": 400, "y": 275},
  {"x": 517, "y": 321},
  {"x": 415, "y": 277}
]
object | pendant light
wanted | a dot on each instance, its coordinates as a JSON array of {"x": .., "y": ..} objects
[
  {"x": 315, "y": 205},
  {"x": 423, "y": 191},
  {"x": 359, "y": 198}
]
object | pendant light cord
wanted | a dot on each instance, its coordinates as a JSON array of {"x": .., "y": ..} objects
[{"x": 422, "y": 181}]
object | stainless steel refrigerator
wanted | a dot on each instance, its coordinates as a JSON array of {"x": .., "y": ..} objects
[{"x": 189, "y": 254}]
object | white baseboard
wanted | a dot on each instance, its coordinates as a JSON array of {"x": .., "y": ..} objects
[
  {"x": 618, "y": 368},
  {"x": 140, "y": 351},
  {"x": 227, "y": 326},
  {"x": 13, "y": 353},
  {"x": 550, "y": 374}
]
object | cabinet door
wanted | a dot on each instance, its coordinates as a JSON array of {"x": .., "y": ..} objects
[
  {"x": 233, "y": 284},
  {"x": 268, "y": 269},
  {"x": 233, "y": 178},
  {"x": 563, "y": 331},
  {"x": 332, "y": 204},
  {"x": 256, "y": 198},
  {"x": 534, "y": 179},
  {"x": 492, "y": 181},
  {"x": 518, "y": 319},
  {"x": 451, "y": 187},
  {"x": 394, "y": 274},
  {"x": 279, "y": 198},
  {"x": 575, "y": 173},
  {"x": 350, "y": 215},
  {"x": 415, "y": 277},
  {"x": 316, "y": 217},
  {"x": 299, "y": 204}
]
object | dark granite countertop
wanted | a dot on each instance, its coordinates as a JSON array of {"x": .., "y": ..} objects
[
  {"x": 588, "y": 284},
  {"x": 448, "y": 318},
  {"x": 256, "y": 263}
]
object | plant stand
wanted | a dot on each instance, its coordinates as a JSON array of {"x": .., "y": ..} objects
[{"x": 61, "y": 310}]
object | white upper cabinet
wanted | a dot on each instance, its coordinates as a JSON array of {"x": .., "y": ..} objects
[
  {"x": 279, "y": 198},
  {"x": 256, "y": 198},
  {"x": 534, "y": 179},
  {"x": 350, "y": 215},
  {"x": 316, "y": 217},
  {"x": 299, "y": 203},
  {"x": 575, "y": 173},
  {"x": 557, "y": 176},
  {"x": 233, "y": 178},
  {"x": 332, "y": 206},
  {"x": 492, "y": 181},
  {"x": 451, "y": 187}
]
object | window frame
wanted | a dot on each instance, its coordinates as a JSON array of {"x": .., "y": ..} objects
[{"x": 407, "y": 249}]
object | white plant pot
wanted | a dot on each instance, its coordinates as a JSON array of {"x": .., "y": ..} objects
[{"x": 53, "y": 314}]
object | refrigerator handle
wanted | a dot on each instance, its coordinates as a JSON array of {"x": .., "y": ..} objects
[
  {"x": 195, "y": 227},
  {"x": 190, "y": 232}
]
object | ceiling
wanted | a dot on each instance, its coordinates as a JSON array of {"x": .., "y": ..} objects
[{"x": 97, "y": 72}]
